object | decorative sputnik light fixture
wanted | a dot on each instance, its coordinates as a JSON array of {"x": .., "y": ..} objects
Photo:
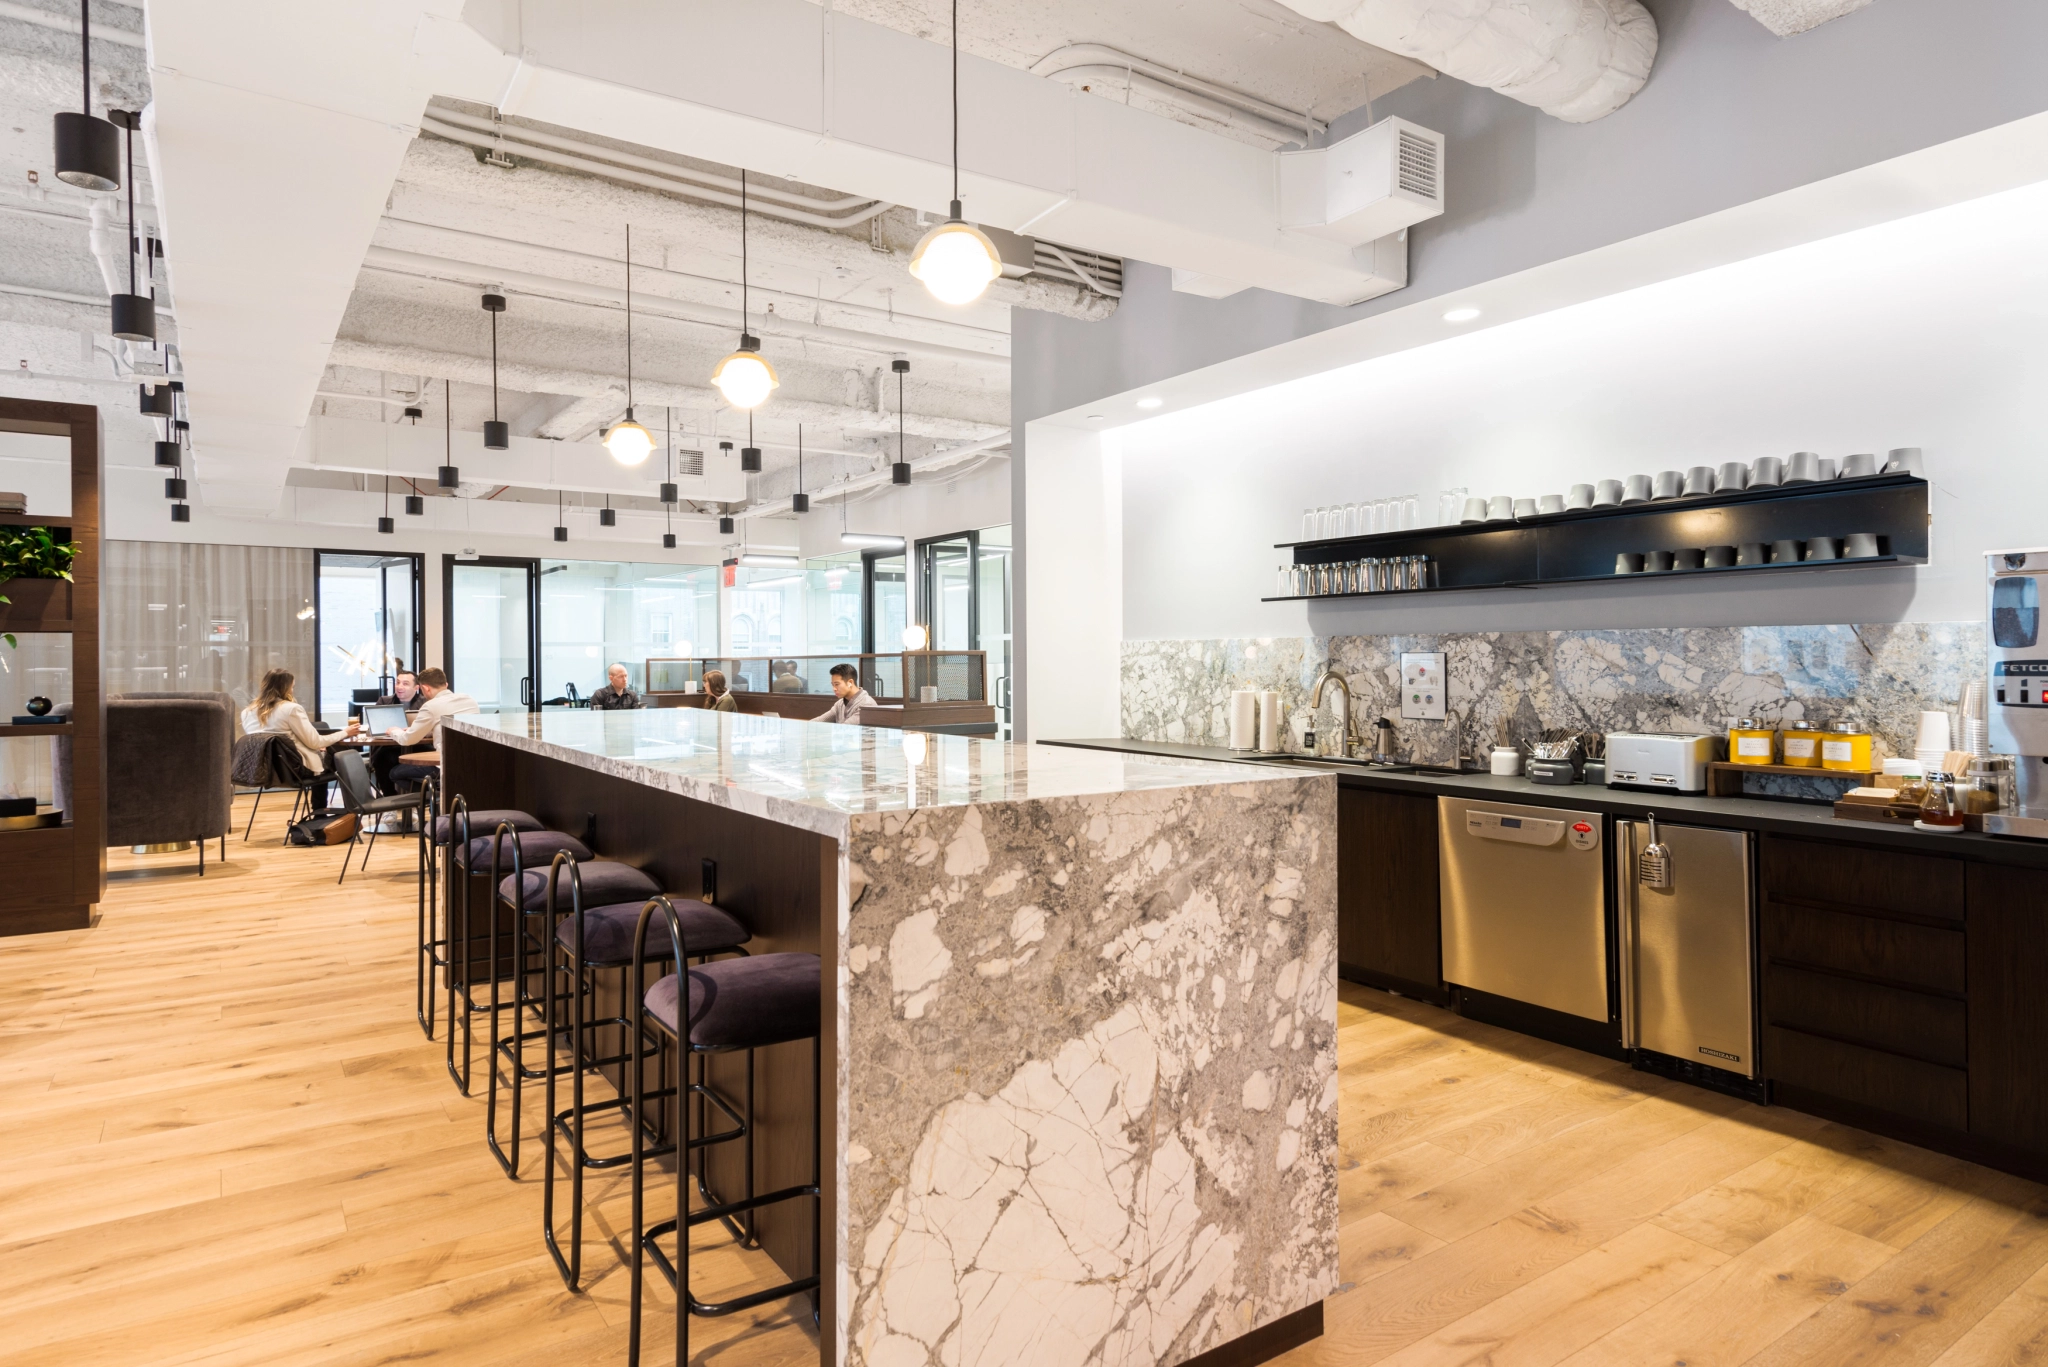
[
  {"x": 800, "y": 502},
  {"x": 745, "y": 377},
  {"x": 561, "y": 530},
  {"x": 899, "y": 473},
  {"x": 88, "y": 149},
  {"x": 134, "y": 313},
  {"x": 415, "y": 506},
  {"x": 497, "y": 435},
  {"x": 956, "y": 260},
  {"x": 448, "y": 476},
  {"x": 627, "y": 440}
]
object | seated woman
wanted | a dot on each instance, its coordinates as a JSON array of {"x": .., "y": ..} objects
[
  {"x": 277, "y": 712},
  {"x": 722, "y": 699}
]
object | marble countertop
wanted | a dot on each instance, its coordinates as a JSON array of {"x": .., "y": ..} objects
[{"x": 815, "y": 776}]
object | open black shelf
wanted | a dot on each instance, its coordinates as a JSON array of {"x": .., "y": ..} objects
[{"x": 1580, "y": 546}]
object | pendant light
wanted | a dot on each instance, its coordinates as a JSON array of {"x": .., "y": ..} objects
[
  {"x": 800, "y": 502},
  {"x": 415, "y": 506},
  {"x": 497, "y": 435},
  {"x": 384, "y": 523},
  {"x": 899, "y": 473},
  {"x": 745, "y": 377},
  {"x": 561, "y": 532},
  {"x": 750, "y": 454},
  {"x": 169, "y": 453},
  {"x": 668, "y": 434},
  {"x": 134, "y": 313},
  {"x": 956, "y": 260},
  {"x": 607, "y": 516},
  {"x": 448, "y": 477},
  {"x": 627, "y": 440},
  {"x": 88, "y": 150},
  {"x": 725, "y": 524}
]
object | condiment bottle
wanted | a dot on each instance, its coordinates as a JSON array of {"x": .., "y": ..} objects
[
  {"x": 1799, "y": 745},
  {"x": 1939, "y": 807},
  {"x": 1750, "y": 742}
]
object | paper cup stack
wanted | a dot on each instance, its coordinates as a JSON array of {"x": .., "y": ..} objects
[
  {"x": 1244, "y": 719},
  {"x": 1932, "y": 743}
]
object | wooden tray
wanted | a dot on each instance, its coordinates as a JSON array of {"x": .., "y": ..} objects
[
  {"x": 1892, "y": 814},
  {"x": 1724, "y": 778}
]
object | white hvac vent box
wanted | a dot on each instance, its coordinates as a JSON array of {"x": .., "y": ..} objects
[{"x": 1371, "y": 184}]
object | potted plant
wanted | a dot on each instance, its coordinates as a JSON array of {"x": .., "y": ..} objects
[{"x": 32, "y": 553}]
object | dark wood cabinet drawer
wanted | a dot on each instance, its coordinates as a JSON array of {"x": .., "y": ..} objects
[
  {"x": 1875, "y": 880},
  {"x": 2009, "y": 1005},
  {"x": 1923, "y": 1092},
  {"x": 1895, "y": 1019},
  {"x": 1902, "y": 952},
  {"x": 1388, "y": 920}
]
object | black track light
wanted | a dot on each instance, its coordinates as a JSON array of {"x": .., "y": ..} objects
[
  {"x": 497, "y": 435},
  {"x": 899, "y": 473},
  {"x": 415, "y": 505},
  {"x": 668, "y": 541},
  {"x": 168, "y": 453},
  {"x": 134, "y": 313},
  {"x": 448, "y": 477},
  {"x": 88, "y": 149},
  {"x": 174, "y": 488},
  {"x": 180, "y": 513}
]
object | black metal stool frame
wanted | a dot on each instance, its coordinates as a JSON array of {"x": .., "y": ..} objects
[
  {"x": 513, "y": 1047},
  {"x": 647, "y": 1238},
  {"x": 459, "y": 929},
  {"x": 433, "y": 938}
]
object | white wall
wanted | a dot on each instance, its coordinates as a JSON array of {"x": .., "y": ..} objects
[
  {"x": 1930, "y": 331},
  {"x": 1072, "y": 607}
]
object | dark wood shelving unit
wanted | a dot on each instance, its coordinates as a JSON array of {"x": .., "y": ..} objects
[
  {"x": 60, "y": 872},
  {"x": 1580, "y": 546}
]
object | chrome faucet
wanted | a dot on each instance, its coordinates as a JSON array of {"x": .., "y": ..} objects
[{"x": 1347, "y": 739}]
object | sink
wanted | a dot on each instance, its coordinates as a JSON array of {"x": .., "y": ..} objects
[{"x": 1376, "y": 766}]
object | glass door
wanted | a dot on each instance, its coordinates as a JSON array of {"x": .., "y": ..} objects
[
  {"x": 992, "y": 616},
  {"x": 888, "y": 605},
  {"x": 367, "y": 625},
  {"x": 947, "y": 606},
  {"x": 492, "y": 617}
]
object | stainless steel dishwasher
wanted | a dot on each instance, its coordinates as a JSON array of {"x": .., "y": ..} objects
[
  {"x": 1687, "y": 976},
  {"x": 1525, "y": 904}
]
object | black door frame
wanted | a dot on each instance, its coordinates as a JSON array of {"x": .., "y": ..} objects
[
  {"x": 531, "y": 564},
  {"x": 927, "y": 586},
  {"x": 419, "y": 604},
  {"x": 868, "y": 559}
]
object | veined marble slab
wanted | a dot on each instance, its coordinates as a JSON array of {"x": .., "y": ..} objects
[
  {"x": 1087, "y": 1024},
  {"x": 1639, "y": 679}
]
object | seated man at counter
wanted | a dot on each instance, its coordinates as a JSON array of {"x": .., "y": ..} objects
[
  {"x": 722, "y": 699},
  {"x": 617, "y": 695},
  {"x": 440, "y": 701},
  {"x": 786, "y": 679},
  {"x": 852, "y": 697}
]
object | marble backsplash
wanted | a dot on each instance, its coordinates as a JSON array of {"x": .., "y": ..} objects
[{"x": 1665, "y": 679}]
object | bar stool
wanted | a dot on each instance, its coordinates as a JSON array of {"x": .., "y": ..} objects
[
  {"x": 467, "y": 852},
  {"x": 436, "y": 896},
  {"x": 531, "y": 891},
  {"x": 588, "y": 941},
  {"x": 732, "y": 1005}
]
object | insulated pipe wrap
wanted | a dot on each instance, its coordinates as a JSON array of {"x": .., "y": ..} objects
[{"x": 1576, "y": 59}]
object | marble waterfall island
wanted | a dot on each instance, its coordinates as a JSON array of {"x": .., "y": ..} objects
[{"x": 1082, "y": 1068}]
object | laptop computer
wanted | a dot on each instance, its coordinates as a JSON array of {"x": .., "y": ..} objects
[{"x": 382, "y": 717}]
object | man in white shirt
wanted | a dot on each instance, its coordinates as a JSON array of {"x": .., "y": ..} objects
[
  {"x": 438, "y": 701},
  {"x": 852, "y": 697}
]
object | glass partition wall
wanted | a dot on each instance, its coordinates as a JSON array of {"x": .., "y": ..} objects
[
  {"x": 181, "y": 617},
  {"x": 369, "y": 626},
  {"x": 964, "y": 602}
]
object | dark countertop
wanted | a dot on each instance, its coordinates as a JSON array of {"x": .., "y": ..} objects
[{"x": 1748, "y": 813}]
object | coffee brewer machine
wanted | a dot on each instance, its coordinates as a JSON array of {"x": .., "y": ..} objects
[{"x": 2019, "y": 684}]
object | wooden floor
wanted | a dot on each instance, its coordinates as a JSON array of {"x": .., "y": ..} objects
[{"x": 226, "y": 1141}]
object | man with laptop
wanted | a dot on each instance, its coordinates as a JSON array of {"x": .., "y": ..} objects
[{"x": 407, "y": 766}]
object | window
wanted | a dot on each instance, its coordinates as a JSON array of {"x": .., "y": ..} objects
[
  {"x": 369, "y": 626},
  {"x": 594, "y": 613}
]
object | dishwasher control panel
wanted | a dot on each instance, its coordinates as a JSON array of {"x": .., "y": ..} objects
[{"x": 1522, "y": 830}]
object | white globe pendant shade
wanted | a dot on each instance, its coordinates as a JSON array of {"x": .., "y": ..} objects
[
  {"x": 956, "y": 262},
  {"x": 628, "y": 441},
  {"x": 745, "y": 378}
]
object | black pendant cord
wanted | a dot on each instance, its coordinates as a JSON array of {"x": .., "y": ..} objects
[
  {"x": 629, "y": 322},
  {"x": 85, "y": 51},
  {"x": 799, "y": 457},
  {"x": 447, "y": 422},
  {"x": 129, "y": 124},
  {"x": 899, "y": 417},
  {"x": 668, "y": 435},
  {"x": 743, "y": 262},
  {"x": 956, "y": 108},
  {"x": 494, "y": 367}
]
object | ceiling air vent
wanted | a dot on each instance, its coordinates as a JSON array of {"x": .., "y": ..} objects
[
  {"x": 1418, "y": 165},
  {"x": 689, "y": 462},
  {"x": 1097, "y": 270}
]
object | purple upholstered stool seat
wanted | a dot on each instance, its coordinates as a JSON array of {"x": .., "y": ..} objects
[
  {"x": 537, "y": 850},
  {"x": 744, "y": 1003},
  {"x": 608, "y": 932},
  {"x": 484, "y": 820},
  {"x": 604, "y": 882}
]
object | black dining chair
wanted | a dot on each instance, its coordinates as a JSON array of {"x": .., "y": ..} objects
[{"x": 359, "y": 796}]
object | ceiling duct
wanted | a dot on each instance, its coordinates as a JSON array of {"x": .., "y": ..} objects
[
  {"x": 1576, "y": 59},
  {"x": 1097, "y": 66}
]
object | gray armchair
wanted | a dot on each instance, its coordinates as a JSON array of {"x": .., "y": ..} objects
[{"x": 168, "y": 760}]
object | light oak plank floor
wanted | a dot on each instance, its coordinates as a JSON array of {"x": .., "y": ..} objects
[{"x": 226, "y": 1142}]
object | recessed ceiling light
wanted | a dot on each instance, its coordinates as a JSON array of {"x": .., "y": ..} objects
[
  {"x": 1152, "y": 401},
  {"x": 1095, "y": 417},
  {"x": 1461, "y": 315}
]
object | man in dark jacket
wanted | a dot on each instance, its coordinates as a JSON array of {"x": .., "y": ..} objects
[{"x": 617, "y": 695}]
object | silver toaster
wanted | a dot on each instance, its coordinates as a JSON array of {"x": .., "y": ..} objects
[{"x": 1658, "y": 764}]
